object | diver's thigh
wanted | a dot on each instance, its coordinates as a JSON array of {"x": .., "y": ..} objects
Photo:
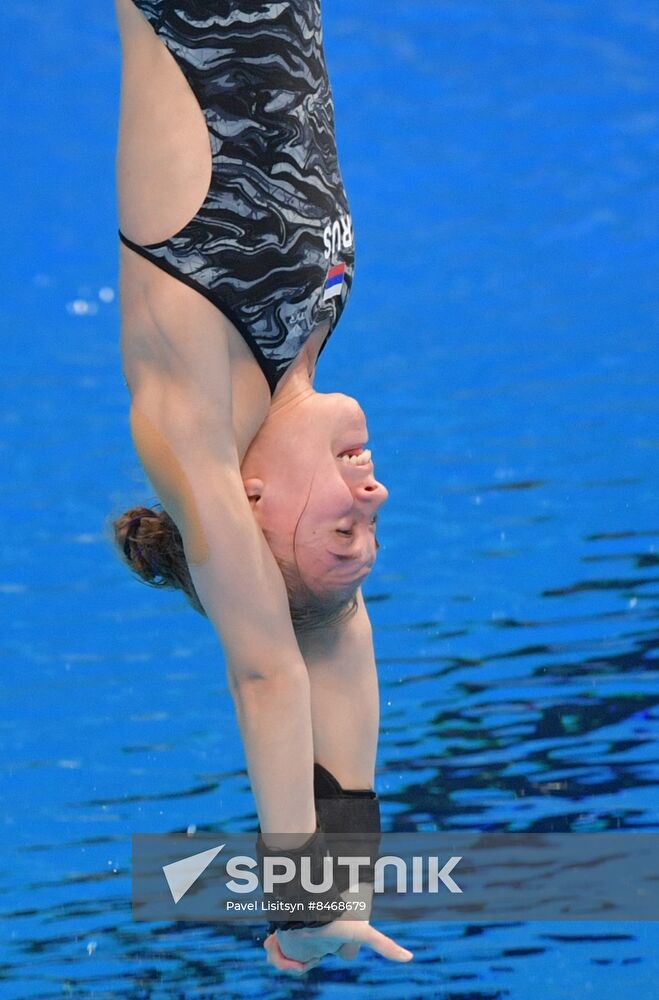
[{"x": 164, "y": 158}]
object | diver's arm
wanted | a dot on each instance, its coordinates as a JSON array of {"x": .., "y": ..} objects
[
  {"x": 238, "y": 581},
  {"x": 266, "y": 674},
  {"x": 345, "y": 711},
  {"x": 345, "y": 705}
]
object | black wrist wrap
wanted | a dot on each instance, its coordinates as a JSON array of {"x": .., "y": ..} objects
[
  {"x": 350, "y": 822},
  {"x": 315, "y": 848},
  {"x": 350, "y": 819}
]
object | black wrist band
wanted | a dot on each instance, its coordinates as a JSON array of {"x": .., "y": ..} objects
[
  {"x": 350, "y": 819},
  {"x": 290, "y": 896}
]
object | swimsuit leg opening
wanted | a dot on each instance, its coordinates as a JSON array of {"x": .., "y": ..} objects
[{"x": 178, "y": 85}]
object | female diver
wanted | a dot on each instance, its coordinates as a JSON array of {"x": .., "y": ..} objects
[{"x": 236, "y": 261}]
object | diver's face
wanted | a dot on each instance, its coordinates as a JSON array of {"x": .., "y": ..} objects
[{"x": 317, "y": 506}]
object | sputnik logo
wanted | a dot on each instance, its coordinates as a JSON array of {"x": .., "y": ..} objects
[{"x": 182, "y": 875}]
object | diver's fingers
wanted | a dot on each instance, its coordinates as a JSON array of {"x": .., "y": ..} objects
[
  {"x": 349, "y": 951},
  {"x": 384, "y": 945}
]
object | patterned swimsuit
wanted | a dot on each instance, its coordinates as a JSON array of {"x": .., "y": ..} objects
[{"x": 272, "y": 245}]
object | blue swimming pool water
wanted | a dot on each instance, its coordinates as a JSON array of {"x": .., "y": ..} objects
[{"x": 502, "y": 337}]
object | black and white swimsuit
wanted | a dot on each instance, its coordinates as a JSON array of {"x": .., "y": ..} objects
[{"x": 272, "y": 245}]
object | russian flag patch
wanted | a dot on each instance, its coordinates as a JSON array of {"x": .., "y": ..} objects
[{"x": 334, "y": 281}]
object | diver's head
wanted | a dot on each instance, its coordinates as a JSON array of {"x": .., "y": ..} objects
[
  {"x": 315, "y": 505},
  {"x": 311, "y": 485},
  {"x": 151, "y": 545}
]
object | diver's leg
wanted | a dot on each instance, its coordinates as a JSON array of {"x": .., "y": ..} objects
[{"x": 163, "y": 154}]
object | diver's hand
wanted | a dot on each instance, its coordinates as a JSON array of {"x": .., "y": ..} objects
[{"x": 300, "y": 950}]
